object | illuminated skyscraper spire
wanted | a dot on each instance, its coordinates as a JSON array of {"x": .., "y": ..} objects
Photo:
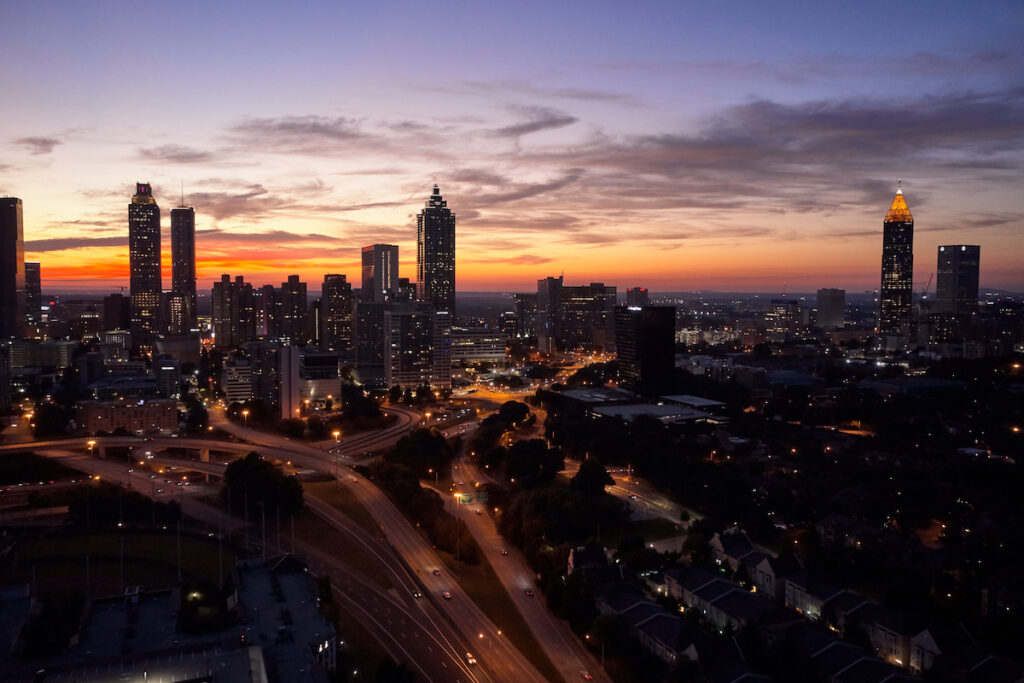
[
  {"x": 896, "y": 293},
  {"x": 435, "y": 254}
]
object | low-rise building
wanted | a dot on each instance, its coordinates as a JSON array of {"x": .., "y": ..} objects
[{"x": 146, "y": 416}]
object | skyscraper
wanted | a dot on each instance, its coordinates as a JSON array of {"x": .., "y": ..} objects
[
  {"x": 144, "y": 261},
  {"x": 549, "y": 300},
  {"x": 12, "y": 269},
  {"x": 645, "y": 344},
  {"x": 33, "y": 292},
  {"x": 380, "y": 272},
  {"x": 183, "y": 261},
  {"x": 956, "y": 288},
  {"x": 831, "y": 308},
  {"x": 435, "y": 254},
  {"x": 293, "y": 308},
  {"x": 233, "y": 312},
  {"x": 637, "y": 297},
  {"x": 417, "y": 346},
  {"x": 336, "y": 313},
  {"x": 896, "y": 294}
]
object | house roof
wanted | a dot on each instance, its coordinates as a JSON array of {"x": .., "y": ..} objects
[{"x": 735, "y": 544}]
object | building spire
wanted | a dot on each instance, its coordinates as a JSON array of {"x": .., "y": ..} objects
[{"x": 899, "y": 212}]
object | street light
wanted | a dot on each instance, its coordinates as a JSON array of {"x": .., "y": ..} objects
[
  {"x": 337, "y": 435},
  {"x": 245, "y": 418}
]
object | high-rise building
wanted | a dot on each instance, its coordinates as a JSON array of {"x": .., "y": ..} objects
[
  {"x": 587, "y": 317},
  {"x": 233, "y": 313},
  {"x": 368, "y": 329},
  {"x": 293, "y": 307},
  {"x": 896, "y": 292},
  {"x": 417, "y": 346},
  {"x": 435, "y": 254},
  {"x": 183, "y": 262},
  {"x": 831, "y": 308},
  {"x": 144, "y": 261},
  {"x": 526, "y": 315},
  {"x": 549, "y": 298},
  {"x": 336, "y": 313},
  {"x": 956, "y": 286},
  {"x": 33, "y": 293},
  {"x": 116, "y": 313},
  {"x": 782, "y": 319},
  {"x": 645, "y": 344},
  {"x": 12, "y": 269},
  {"x": 380, "y": 272},
  {"x": 636, "y": 297}
]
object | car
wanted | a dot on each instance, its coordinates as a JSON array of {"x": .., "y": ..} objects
[
  {"x": 470, "y": 659},
  {"x": 504, "y": 552},
  {"x": 479, "y": 512},
  {"x": 528, "y": 593},
  {"x": 437, "y": 572},
  {"x": 586, "y": 676},
  {"x": 446, "y": 595},
  {"x": 417, "y": 595}
]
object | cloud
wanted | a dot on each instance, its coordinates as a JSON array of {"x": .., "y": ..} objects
[
  {"x": 297, "y": 134},
  {"x": 522, "y": 191},
  {"x": 562, "y": 93},
  {"x": 37, "y": 146},
  {"x": 175, "y": 154},
  {"x": 537, "y": 119},
  {"x": 520, "y": 260},
  {"x": 61, "y": 243}
]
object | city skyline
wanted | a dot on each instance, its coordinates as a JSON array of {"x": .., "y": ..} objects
[{"x": 677, "y": 148}]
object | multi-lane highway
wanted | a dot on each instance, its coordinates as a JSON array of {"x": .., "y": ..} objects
[
  {"x": 497, "y": 655},
  {"x": 562, "y": 647}
]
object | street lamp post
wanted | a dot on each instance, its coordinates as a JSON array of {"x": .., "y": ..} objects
[{"x": 245, "y": 419}]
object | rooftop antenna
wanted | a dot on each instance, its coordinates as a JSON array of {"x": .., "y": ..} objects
[
  {"x": 183, "y": 194},
  {"x": 899, "y": 186}
]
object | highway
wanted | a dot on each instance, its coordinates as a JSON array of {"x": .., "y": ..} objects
[
  {"x": 494, "y": 650},
  {"x": 562, "y": 646}
]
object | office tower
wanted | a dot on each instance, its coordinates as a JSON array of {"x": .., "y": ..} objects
[
  {"x": 636, "y": 297},
  {"x": 12, "y": 269},
  {"x": 33, "y": 293},
  {"x": 406, "y": 290},
  {"x": 368, "y": 329},
  {"x": 293, "y": 307},
  {"x": 144, "y": 261},
  {"x": 895, "y": 293},
  {"x": 549, "y": 296},
  {"x": 417, "y": 346},
  {"x": 336, "y": 313},
  {"x": 783, "y": 318},
  {"x": 183, "y": 263},
  {"x": 266, "y": 311},
  {"x": 645, "y": 344},
  {"x": 831, "y": 308},
  {"x": 586, "y": 317},
  {"x": 435, "y": 254},
  {"x": 167, "y": 371},
  {"x": 115, "y": 312},
  {"x": 233, "y": 314},
  {"x": 526, "y": 315},
  {"x": 175, "y": 311},
  {"x": 380, "y": 272},
  {"x": 956, "y": 287}
]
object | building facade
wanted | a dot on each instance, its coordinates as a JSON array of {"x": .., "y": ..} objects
[
  {"x": 957, "y": 275},
  {"x": 417, "y": 346},
  {"x": 12, "y": 269},
  {"x": 896, "y": 290},
  {"x": 380, "y": 272},
  {"x": 637, "y": 297},
  {"x": 645, "y": 344},
  {"x": 831, "y": 308},
  {"x": 183, "y": 266},
  {"x": 233, "y": 312},
  {"x": 144, "y": 262},
  {"x": 435, "y": 254},
  {"x": 33, "y": 293},
  {"x": 335, "y": 321}
]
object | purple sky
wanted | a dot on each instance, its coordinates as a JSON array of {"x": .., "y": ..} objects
[{"x": 742, "y": 145}]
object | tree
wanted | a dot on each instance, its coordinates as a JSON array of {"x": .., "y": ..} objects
[
  {"x": 50, "y": 420},
  {"x": 591, "y": 478},
  {"x": 263, "y": 482}
]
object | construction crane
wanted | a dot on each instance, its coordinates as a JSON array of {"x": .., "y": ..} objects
[{"x": 924, "y": 292}]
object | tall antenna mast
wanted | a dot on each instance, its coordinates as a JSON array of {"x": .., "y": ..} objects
[{"x": 183, "y": 194}]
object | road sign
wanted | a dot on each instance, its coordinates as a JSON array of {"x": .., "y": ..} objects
[
  {"x": 464, "y": 498},
  {"x": 481, "y": 497}
]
